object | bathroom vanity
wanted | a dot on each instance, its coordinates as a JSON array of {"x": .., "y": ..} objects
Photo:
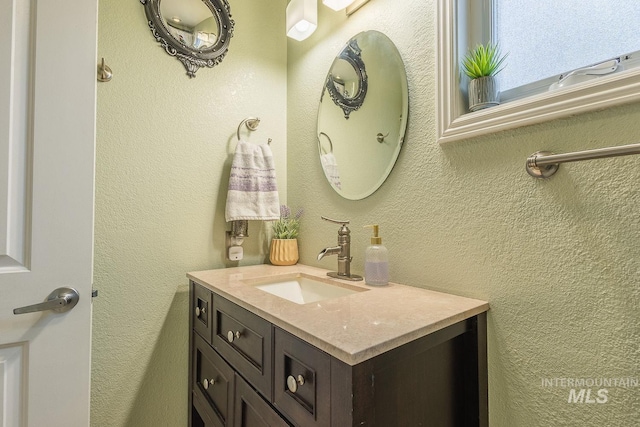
[{"x": 281, "y": 346}]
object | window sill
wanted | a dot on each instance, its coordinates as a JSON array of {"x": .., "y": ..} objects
[
  {"x": 455, "y": 124},
  {"x": 598, "y": 94}
]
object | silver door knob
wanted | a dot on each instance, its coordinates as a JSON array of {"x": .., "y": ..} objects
[
  {"x": 200, "y": 311},
  {"x": 293, "y": 383},
  {"x": 59, "y": 301}
]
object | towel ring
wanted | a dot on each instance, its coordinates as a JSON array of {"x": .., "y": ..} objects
[
  {"x": 252, "y": 124},
  {"x": 320, "y": 145}
]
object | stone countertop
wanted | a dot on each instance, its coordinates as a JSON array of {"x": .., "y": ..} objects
[{"x": 352, "y": 328}]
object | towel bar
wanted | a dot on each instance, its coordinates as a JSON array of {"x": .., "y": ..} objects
[{"x": 544, "y": 164}]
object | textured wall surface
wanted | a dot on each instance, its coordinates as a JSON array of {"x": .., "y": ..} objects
[
  {"x": 164, "y": 145},
  {"x": 558, "y": 260}
]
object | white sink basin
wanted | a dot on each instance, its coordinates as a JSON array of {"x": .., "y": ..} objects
[{"x": 303, "y": 289}]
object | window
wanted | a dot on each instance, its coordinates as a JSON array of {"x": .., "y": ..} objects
[
  {"x": 554, "y": 38},
  {"x": 567, "y": 35}
]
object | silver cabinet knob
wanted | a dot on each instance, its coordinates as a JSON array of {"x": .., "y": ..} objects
[
  {"x": 231, "y": 336},
  {"x": 200, "y": 311},
  {"x": 59, "y": 301},
  {"x": 293, "y": 383},
  {"x": 208, "y": 383}
]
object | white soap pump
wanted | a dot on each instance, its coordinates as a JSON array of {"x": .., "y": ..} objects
[{"x": 376, "y": 260}]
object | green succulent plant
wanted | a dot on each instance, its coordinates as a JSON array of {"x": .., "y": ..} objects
[
  {"x": 483, "y": 61},
  {"x": 288, "y": 226}
]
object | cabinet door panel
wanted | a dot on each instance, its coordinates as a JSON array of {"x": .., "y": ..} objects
[
  {"x": 252, "y": 411},
  {"x": 201, "y": 414},
  {"x": 201, "y": 309},
  {"x": 302, "y": 381},
  {"x": 213, "y": 381}
]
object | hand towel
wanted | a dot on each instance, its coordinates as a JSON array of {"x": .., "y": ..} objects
[
  {"x": 330, "y": 166},
  {"x": 253, "y": 192}
]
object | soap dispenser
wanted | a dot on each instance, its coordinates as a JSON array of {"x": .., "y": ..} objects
[{"x": 376, "y": 261}]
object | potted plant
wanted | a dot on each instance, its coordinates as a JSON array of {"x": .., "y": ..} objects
[
  {"x": 481, "y": 65},
  {"x": 284, "y": 245}
]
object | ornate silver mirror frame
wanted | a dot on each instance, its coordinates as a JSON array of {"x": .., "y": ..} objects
[
  {"x": 192, "y": 58},
  {"x": 353, "y": 55}
]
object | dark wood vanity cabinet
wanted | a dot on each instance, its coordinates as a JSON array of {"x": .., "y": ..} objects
[{"x": 247, "y": 372}]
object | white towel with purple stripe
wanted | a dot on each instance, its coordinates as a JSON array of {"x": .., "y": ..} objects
[
  {"x": 330, "y": 166},
  {"x": 253, "y": 192}
]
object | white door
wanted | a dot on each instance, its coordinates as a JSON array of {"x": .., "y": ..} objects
[{"x": 47, "y": 145}]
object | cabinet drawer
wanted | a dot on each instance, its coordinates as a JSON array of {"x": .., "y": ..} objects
[
  {"x": 302, "y": 381},
  {"x": 252, "y": 411},
  {"x": 213, "y": 382},
  {"x": 245, "y": 341},
  {"x": 201, "y": 308}
]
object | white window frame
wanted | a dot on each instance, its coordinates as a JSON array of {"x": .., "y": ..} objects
[{"x": 454, "y": 123}]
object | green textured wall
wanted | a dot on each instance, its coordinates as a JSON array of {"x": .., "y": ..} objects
[
  {"x": 164, "y": 145},
  {"x": 558, "y": 260}
]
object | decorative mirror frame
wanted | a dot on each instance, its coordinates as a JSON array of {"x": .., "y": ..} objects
[
  {"x": 193, "y": 59},
  {"x": 353, "y": 55}
]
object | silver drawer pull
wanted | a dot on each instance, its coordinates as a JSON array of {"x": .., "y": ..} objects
[
  {"x": 293, "y": 383},
  {"x": 208, "y": 383},
  {"x": 231, "y": 336},
  {"x": 201, "y": 311}
]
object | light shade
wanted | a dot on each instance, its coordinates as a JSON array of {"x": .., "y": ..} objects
[
  {"x": 302, "y": 18},
  {"x": 337, "y": 4}
]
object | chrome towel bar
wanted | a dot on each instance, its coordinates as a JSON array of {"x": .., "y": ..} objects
[{"x": 544, "y": 164}]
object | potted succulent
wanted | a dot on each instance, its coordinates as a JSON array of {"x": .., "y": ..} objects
[
  {"x": 481, "y": 65},
  {"x": 284, "y": 245}
]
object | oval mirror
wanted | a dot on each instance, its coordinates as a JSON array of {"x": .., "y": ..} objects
[
  {"x": 362, "y": 116},
  {"x": 196, "y": 32}
]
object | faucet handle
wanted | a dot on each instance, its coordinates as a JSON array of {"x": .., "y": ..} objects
[{"x": 335, "y": 220}]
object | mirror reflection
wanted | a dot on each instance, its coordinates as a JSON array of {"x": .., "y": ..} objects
[
  {"x": 195, "y": 32},
  {"x": 345, "y": 79},
  {"x": 190, "y": 22},
  {"x": 358, "y": 146}
]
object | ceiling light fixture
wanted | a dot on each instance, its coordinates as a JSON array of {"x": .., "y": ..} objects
[
  {"x": 355, "y": 6},
  {"x": 302, "y": 18},
  {"x": 337, "y": 4}
]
